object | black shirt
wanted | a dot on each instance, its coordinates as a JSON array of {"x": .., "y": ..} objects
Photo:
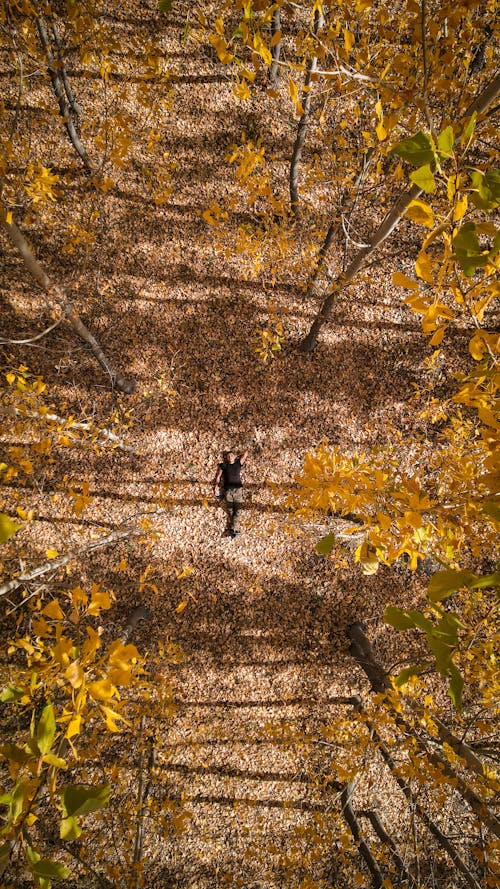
[{"x": 231, "y": 473}]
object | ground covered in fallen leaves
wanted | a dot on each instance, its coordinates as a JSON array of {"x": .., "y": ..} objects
[{"x": 261, "y": 621}]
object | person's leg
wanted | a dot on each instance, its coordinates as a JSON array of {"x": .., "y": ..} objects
[
  {"x": 237, "y": 504},
  {"x": 229, "y": 507}
]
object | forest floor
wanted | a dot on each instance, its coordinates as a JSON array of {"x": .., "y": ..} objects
[{"x": 264, "y": 631}]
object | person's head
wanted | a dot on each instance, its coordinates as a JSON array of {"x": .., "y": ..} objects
[{"x": 229, "y": 456}]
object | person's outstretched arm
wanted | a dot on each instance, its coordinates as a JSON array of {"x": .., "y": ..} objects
[
  {"x": 242, "y": 457},
  {"x": 217, "y": 479}
]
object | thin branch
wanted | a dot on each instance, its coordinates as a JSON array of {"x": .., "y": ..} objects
[
  {"x": 388, "y": 841},
  {"x": 20, "y": 242},
  {"x": 303, "y": 123},
  {"x": 72, "y": 554},
  {"x": 32, "y": 339},
  {"x": 352, "y": 821}
]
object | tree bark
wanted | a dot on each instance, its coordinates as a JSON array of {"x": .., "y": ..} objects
[
  {"x": 362, "y": 651},
  {"x": 303, "y": 124},
  {"x": 276, "y": 49},
  {"x": 386, "y": 227},
  {"x": 20, "y": 242},
  {"x": 54, "y": 564},
  {"x": 350, "y": 817},
  {"x": 388, "y": 841},
  {"x": 443, "y": 840},
  {"x": 62, "y": 70},
  {"x": 57, "y": 85}
]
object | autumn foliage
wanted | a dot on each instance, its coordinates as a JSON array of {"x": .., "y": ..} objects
[{"x": 375, "y": 169}]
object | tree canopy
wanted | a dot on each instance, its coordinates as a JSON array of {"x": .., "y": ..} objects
[{"x": 271, "y": 227}]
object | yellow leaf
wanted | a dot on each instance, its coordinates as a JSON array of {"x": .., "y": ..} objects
[
  {"x": 437, "y": 338},
  {"x": 423, "y": 267},
  {"x": 401, "y": 280},
  {"x": 51, "y": 553},
  {"x": 74, "y": 674},
  {"x": 381, "y": 131},
  {"x": 8, "y": 217},
  {"x": 242, "y": 92},
  {"x": 53, "y": 610},
  {"x": 74, "y": 726},
  {"x": 262, "y": 49},
  {"x": 181, "y": 606},
  {"x": 184, "y": 573},
  {"x": 11, "y": 378},
  {"x": 420, "y": 212},
  {"x": 460, "y": 208},
  {"x": 477, "y": 347},
  {"x": 276, "y": 38},
  {"x": 293, "y": 91},
  {"x": 111, "y": 717},
  {"x": 99, "y": 601},
  {"x": 102, "y": 690},
  {"x": 349, "y": 39}
]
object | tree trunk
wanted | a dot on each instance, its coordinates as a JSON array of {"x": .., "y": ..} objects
[
  {"x": 386, "y": 227},
  {"x": 55, "y": 70},
  {"x": 388, "y": 841},
  {"x": 20, "y": 242},
  {"x": 336, "y": 224},
  {"x": 350, "y": 817},
  {"x": 303, "y": 124},
  {"x": 276, "y": 49},
  {"x": 362, "y": 651}
]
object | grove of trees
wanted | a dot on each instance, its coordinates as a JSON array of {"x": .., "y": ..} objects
[{"x": 203, "y": 209}]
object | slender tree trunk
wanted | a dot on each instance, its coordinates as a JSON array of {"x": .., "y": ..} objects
[
  {"x": 350, "y": 817},
  {"x": 443, "y": 840},
  {"x": 303, "y": 123},
  {"x": 336, "y": 224},
  {"x": 27, "y": 576},
  {"x": 386, "y": 227},
  {"x": 276, "y": 49},
  {"x": 388, "y": 841},
  {"x": 20, "y": 242},
  {"x": 62, "y": 70},
  {"x": 362, "y": 651},
  {"x": 55, "y": 70}
]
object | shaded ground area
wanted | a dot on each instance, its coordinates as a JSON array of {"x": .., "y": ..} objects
[{"x": 263, "y": 634}]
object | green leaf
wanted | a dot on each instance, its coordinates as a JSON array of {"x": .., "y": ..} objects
[
  {"x": 456, "y": 686},
  {"x": 492, "y": 509},
  {"x": 11, "y": 693},
  {"x": 486, "y": 194},
  {"x": 443, "y": 583},
  {"x": 445, "y": 142},
  {"x": 7, "y": 527},
  {"x": 487, "y": 580},
  {"x": 325, "y": 545},
  {"x": 420, "y": 621},
  {"x": 46, "y": 729},
  {"x": 424, "y": 179},
  {"x": 47, "y": 869},
  {"x": 166, "y": 5},
  {"x": 442, "y": 652},
  {"x": 69, "y": 829},
  {"x": 406, "y": 674},
  {"x": 469, "y": 128},
  {"x": 15, "y": 753},
  {"x": 80, "y": 800},
  {"x": 467, "y": 250},
  {"x": 417, "y": 149},
  {"x": 56, "y": 761},
  {"x": 398, "y": 619}
]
